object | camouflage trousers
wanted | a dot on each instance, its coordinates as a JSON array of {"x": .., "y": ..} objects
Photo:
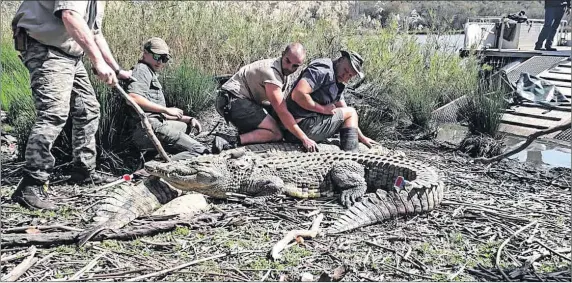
[{"x": 59, "y": 84}]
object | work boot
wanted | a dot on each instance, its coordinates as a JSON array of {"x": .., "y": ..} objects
[
  {"x": 224, "y": 142},
  {"x": 550, "y": 48},
  {"x": 29, "y": 193},
  {"x": 349, "y": 140},
  {"x": 82, "y": 177},
  {"x": 185, "y": 143}
]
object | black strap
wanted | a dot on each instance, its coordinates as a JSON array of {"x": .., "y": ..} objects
[{"x": 92, "y": 13}]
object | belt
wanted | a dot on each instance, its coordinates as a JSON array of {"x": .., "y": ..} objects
[{"x": 33, "y": 40}]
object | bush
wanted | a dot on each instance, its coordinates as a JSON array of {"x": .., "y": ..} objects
[
  {"x": 484, "y": 109},
  {"x": 189, "y": 89},
  {"x": 14, "y": 78}
]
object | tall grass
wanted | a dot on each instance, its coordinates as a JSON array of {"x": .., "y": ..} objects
[
  {"x": 418, "y": 78},
  {"x": 14, "y": 78},
  {"x": 483, "y": 114},
  {"x": 206, "y": 38},
  {"x": 189, "y": 89},
  {"x": 484, "y": 109}
]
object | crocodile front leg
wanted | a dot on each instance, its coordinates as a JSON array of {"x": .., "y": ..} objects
[
  {"x": 349, "y": 178},
  {"x": 263, "y": 187}
]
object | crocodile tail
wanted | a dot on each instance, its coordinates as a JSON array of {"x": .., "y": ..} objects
[
  {"x": 383, "y": 205},
  {"x": 85, "y": 236}
]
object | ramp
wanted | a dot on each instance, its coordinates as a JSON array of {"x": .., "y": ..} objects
[{"x": 529, "y": 118}]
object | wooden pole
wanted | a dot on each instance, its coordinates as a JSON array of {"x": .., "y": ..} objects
[{"x": 145, "y": 121}]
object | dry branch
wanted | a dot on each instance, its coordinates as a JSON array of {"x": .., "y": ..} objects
[
  {"x": 145, "y": 122},
  {"x": 292, "y": 235},
  {"x": 553, "y": 251},
  {"x": 528, "y": 141},
  {"x": 506, "y": 242},
  {"x": 62, "y": 238},
  {"x": 22, "y": 267},
  {"x": 87, "y": 268},
  {"x": 166, "y": 271},
  {"x": 40, "y": 227}
]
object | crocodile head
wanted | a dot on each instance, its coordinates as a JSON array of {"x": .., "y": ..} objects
[{"x": 212, "y": 175}]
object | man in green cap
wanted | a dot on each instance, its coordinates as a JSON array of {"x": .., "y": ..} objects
[
  {"x": 317, "y": 101},
  {"x": 169, "y": 124}
]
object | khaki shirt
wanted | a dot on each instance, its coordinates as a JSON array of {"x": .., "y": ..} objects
[
  {"x": 249, "y": 81},
  {"x": 42, "y": 20},
  {"x": 147, "y": 85}
]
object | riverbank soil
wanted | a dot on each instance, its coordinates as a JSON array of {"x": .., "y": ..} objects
[{"x": 500, "y": 222}]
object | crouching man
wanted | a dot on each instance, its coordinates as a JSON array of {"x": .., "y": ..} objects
[
  {"x": 253, "y": 101},
  {"x": 318, "y": 105}
]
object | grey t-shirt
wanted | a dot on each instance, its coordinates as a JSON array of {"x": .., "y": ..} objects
[
  {"x": 147, "y": 84},
  {"x": 321, "y": 77}
]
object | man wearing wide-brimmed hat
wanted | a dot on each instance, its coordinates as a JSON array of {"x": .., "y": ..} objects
[
  {"x": 317, "y": 101},
  {"x": 169, "y": 124}
]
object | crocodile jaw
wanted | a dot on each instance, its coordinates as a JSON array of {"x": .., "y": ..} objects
[{"x": 186, "y": 178}]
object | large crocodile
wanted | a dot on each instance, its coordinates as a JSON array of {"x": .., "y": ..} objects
[
  {"x": 126, "y": 202},
  {"x": 376, "y": 187}
]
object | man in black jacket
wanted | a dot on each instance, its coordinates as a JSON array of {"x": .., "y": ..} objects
[{"x": 553, "y": 13}]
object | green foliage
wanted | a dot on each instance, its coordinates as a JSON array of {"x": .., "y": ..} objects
[
  {"x": 14, "y": 79},
  {"x": 484, "y": 109},
  {"x": 414, "y": 79},
  {"x": 16, "y": 95},
  {"x": 189, "y": 89}
]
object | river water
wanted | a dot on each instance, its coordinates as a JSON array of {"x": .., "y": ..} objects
[
  {"x": 539, "y": 152},
  {"x": 542, "y": 153}
]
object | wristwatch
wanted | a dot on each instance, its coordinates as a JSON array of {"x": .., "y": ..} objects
[{"x": 117, "y": 71}]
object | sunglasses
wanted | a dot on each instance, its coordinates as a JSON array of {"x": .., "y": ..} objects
[{"x": 159, "y": 57}]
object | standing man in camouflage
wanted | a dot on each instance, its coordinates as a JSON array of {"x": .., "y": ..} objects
[
  {"x": 253, "y": 101},
  {"x": 171, "y": 127},
  {"x": 52, "y": 37}
]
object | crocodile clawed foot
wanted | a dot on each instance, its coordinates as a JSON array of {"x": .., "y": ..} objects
[{"x": 348, "y": 198}]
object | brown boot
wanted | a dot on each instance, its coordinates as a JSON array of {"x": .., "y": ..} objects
[{"x": 29, "y": 194}]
